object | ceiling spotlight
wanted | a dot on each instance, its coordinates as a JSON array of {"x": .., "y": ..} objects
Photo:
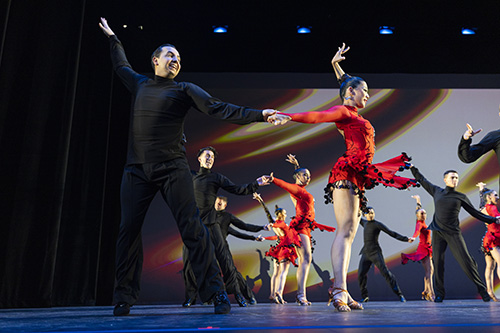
[
  {"x": 124, "y": 26},
  {"x": 303, "y": 30},
  {"x": 220, "y": 29},
  {"x": 386, "y": 30},
  {"x": 469, "y": 31}
]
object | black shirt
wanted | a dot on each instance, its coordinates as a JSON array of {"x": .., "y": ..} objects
[
  {"x": 371, "y": 233},
  {"x": 226, "y": 219},
  {"x": 447, "y": 203},
  {"x": 159, "y": 110},
  {"x": 207, "y": 184}
]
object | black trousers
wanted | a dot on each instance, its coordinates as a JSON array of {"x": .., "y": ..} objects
[
  {"x": 225, "y": 259},
  {"x": 440, "y": 241},
  {"x": 139, "y": 185},
  {"x": 365, "y": 263}
]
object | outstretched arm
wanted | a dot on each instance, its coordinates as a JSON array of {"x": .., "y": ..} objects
[{"x": 427, "y": 185}]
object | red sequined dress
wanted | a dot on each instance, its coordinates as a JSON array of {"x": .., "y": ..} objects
[
  {"x": 424, "y": 248},
  {"x": 355, "y": 164},
  {"x": 303, "y": 221},
  {"x": 492, "y": 237},
  {"x": 285, "y": 247}
]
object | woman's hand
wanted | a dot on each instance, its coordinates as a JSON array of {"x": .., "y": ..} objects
[
  {"x": 292, "y": 159},
  {"x": 481, "y": 186},
  {"x": 338, "y": 57},
  {"x": 278, "y": 119},
  {"x": 416, "y": 197}
]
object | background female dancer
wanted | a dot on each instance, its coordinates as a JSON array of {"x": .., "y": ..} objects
[
  {"x": 424, "y": 251},
  {"x": 303, "y": 222},
  {"x": 491, "y": 239},
  {"x": 283, "y": 252},
  {"x": 353, "y": 171}
]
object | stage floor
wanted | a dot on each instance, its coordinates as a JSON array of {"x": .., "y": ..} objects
[{"x": 412, "y": 316}]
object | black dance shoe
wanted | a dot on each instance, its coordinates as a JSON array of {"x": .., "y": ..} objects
[
  {"x": 438, "y": 299},
  {"x": 485, "y": 296},
  {"x": 402, "y": 299},
  {"x": 252, "y": 301},
  {"x": 221, "y": 303},
  {"x": 121, "y": 309},
  {"x": 365, "y": 300},
  {"x": 190, "y": 301},
  {"x": 241, "y": 301}
]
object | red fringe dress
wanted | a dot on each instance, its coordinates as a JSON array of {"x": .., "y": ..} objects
[
  {"x": 285, "y": 247},
  {"x": 303, "y": 221},
  {"x": 424, "y": 248},
  {"x": 492, "y": 237},
  {"x": 355, "y": 164}
]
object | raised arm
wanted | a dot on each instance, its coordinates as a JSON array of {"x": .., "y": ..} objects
[
  {"x": 419, "y": 203},
  {"x": 427, "y": 185},
  {"x": 257, "y": 197},
  {"x": 293, "y": 160},
  {"x": 337, "y": 58}
]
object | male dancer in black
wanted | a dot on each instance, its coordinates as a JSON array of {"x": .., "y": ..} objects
[
  {"x": 446, "y": 231},
  {"x": 225, "y": 220},
  {"x": 156, "y": 161},
  {"x": 470, "y": 153},
  {"x": 371, "y": 254},
  {"x": 206, "y": 185}
]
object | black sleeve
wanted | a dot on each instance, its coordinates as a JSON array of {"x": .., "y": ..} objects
[
  {"x": 427, "y": 185},
  {"x": 238, "y": 234},
  {"x": 231, "y": 187},
  {"x": 122, "y": 67},
  {"x": 468, "y": 153},
  {"x": 362, "y": 222},
  {"x": 391, "y": 233},
  {"x": 202, "y": 101},
  {"x": 245, "y": 226},
  {"x": 467, "y": 205}
]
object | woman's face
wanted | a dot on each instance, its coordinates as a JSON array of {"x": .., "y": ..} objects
[
  {"x": 421, "y": 215},
  {"x": 303, "y": 177},
  {"x": 359, "y": 95},
  {"x": 282, "y": 215},
  {"x": 492, "y": 197}
]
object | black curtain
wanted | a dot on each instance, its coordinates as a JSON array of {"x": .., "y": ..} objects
[{"x": 59, "y": 205}]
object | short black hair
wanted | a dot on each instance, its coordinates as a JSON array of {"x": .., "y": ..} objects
[
  {"x": 212, "y": 149},
  {"x": 157, "y": 52},
  {"x": 223, "y": 198},
  {"x": 449, "y": 171},
  {"x": 368, "y": 209}
]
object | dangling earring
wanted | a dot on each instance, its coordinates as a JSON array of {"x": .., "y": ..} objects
[{"x": 347, "y": 98}]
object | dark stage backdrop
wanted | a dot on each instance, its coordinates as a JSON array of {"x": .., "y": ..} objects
[{"x": 63, "y": 136}]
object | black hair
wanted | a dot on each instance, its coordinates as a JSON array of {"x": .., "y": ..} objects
[
  {"x": 368, "y": 209},
  {"x": 296, "y": 172},
  {"x": 222, "y": 198},
  {"x": 347, "y": 81},
  {"x": 212, "y": 149},
  {"x": 158, "y": 51},
  {"x": 278, "y": 210},
  {"x": 449, "y": 171}
]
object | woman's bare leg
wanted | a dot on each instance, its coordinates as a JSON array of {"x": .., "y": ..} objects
[
  {"x": 284, "y": 266},
  {"x": 274, "y": 279},
  {"x": 429, "y": 271},
  {"x": 305, "y": 257},
  {"x": 347, "y": 214},
  {"x": 495, "y": 252}
]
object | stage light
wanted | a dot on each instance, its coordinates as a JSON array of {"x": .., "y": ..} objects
[
  {"x": 469, "y": 31},
  {"x": 220, "y": 29},
  {"x": 124, "y": 26},
  {"x": 303, "y": 30},
  {"x": 386, "y": 30},
  {"x": 140, "y": 27}
]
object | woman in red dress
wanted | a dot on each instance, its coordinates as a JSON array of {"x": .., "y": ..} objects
[
  {"x": 283, "y": 252},
  {"x": 352, "y": 173},
  {"x": 491, "y": 239},
  {"x": 424, "y": 251},
  {"x": 303, "y": 222}
]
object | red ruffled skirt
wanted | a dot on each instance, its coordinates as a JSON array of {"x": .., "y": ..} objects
[
  {"x": 304, "y": 225},
  {"x": 285, "y": 247},
  {"x": 490, "y": 240},
  {"x": 423, "y": 250},
  {"x": 366, "y": 176}
]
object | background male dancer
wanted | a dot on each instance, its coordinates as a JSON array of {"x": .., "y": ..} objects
[
  {"x": 225, "y": 220},
  {"x": 469, "y": 153},
  {"x": 371, "y": 254},
  {"x": 206, "y": 185},
  {"x": 156, "y": 161},
  {"x": 446, "y": 231}
]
